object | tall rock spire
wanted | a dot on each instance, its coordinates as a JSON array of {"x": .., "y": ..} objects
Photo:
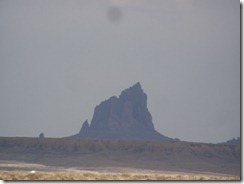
[{"x": 123, "y": 118}]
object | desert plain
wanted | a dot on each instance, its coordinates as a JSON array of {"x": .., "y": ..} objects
[{"x": 77, "y": 159}]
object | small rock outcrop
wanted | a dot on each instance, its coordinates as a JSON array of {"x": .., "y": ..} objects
[
  {"x": 41, "y": 135},
  {"x": 233, "y": 141},
  {"x": 122, "y": 118},
  {"x": 85, "y": 127}
]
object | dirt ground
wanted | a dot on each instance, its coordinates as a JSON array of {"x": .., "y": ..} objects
[
  {"x": 75, "y": 159},
  {"x": 13, "y": 170}
]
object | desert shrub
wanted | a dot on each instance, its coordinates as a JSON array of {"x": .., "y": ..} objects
[{"x": 126, "y": 175}]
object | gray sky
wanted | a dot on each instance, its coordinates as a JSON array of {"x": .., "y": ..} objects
[{"x": 59, "y": 59}]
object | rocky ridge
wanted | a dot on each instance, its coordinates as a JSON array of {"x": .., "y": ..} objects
[
  {"x": 233, "y": 141},
  {"x": 122, "y": 118}
]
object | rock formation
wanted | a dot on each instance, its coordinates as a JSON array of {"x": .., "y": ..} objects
[
  {"x": 41, "y": 135},
  {"x": 233, "y": 141},
  {"x": 123, "y": 118}
]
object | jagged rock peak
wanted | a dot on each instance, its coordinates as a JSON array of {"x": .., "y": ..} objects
[
  {"x": 122, "y": 118},
  {"x": 84, "y": 127},
  {"x": 135, "y": 89},
  {"x": 137, "y": 86}
]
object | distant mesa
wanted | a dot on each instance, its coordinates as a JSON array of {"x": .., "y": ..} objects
[{"x": 123, "y": 118}]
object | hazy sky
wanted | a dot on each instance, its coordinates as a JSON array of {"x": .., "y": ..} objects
[{"x": 61, "y": 58}]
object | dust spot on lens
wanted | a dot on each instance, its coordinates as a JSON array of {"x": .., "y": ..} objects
[{"x": 114, "y": 14}]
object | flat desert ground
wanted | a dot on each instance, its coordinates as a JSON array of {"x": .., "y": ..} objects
[{"x": 73, "y": 159}]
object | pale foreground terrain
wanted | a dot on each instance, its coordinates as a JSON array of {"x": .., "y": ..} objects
[
  {"x": 11, "y": 170},
  {"x": 72, "y": 175}
]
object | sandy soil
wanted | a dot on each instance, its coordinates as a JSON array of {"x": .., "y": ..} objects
[{"x": 15, "y": 170}]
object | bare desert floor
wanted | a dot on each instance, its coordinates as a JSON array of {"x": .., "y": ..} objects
[
  {"x": 74, "y": 159},
  {"x": 15, "y": 170}
]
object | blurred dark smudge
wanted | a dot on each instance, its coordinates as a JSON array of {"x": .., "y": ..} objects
[{"x": 114, "y": 14}]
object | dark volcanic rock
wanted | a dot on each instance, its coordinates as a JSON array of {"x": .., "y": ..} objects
[{"x": 123, "y": 118}]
